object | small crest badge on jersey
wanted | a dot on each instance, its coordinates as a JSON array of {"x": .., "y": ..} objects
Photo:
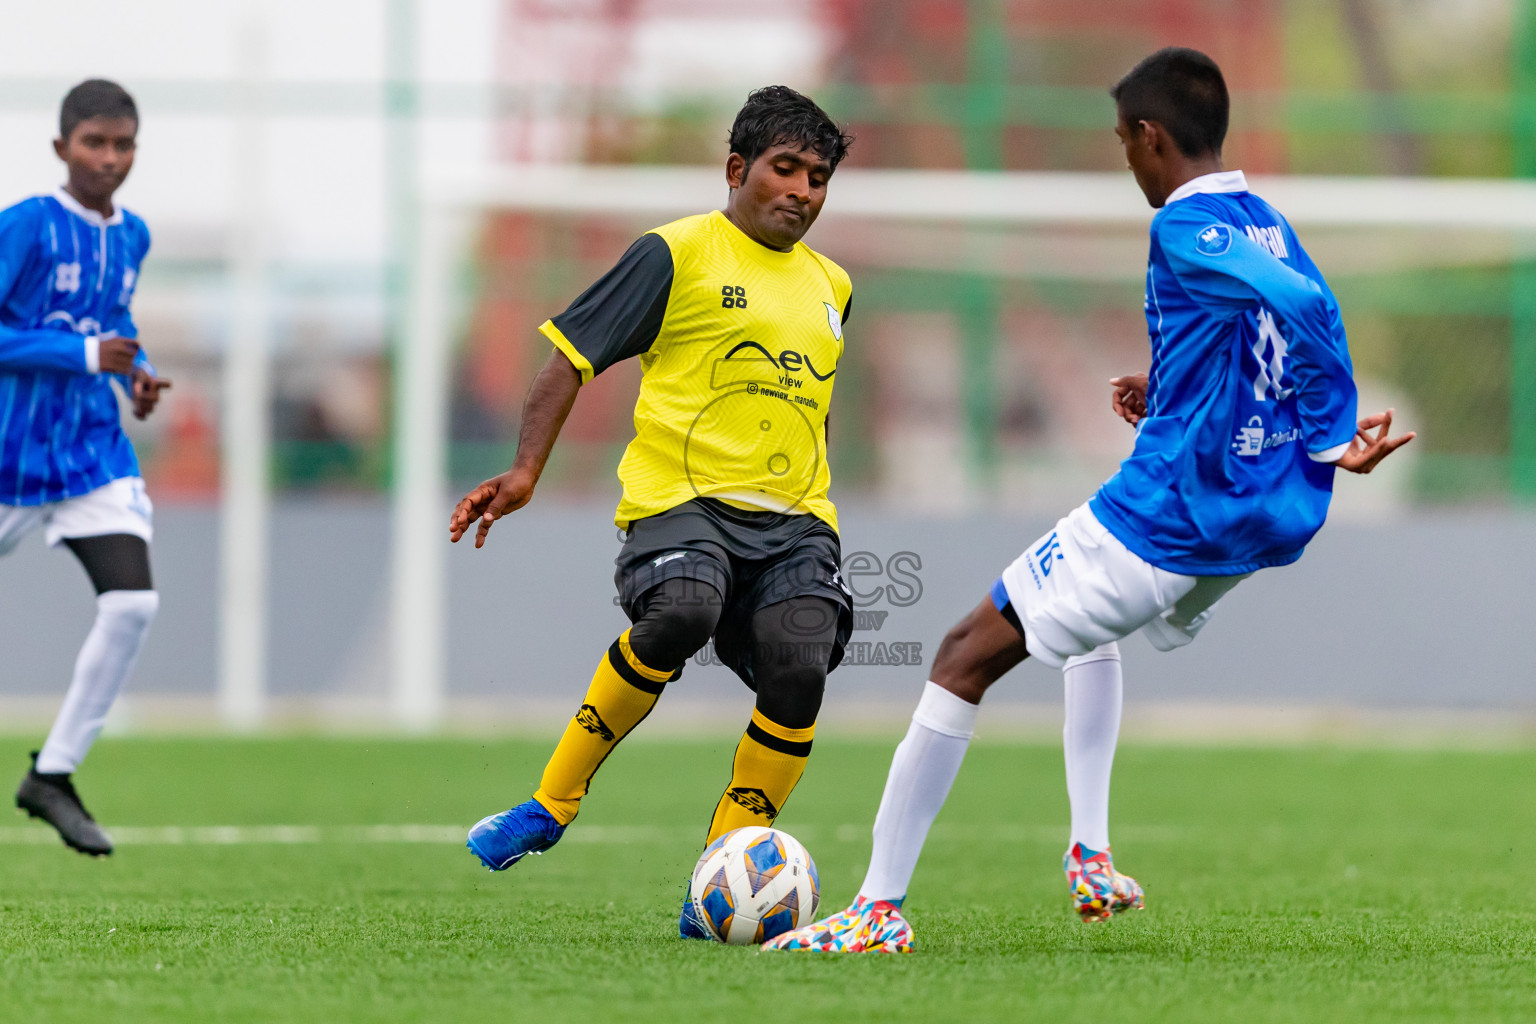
[
  {"x": 834, "y": 321},
  {"x": 1214, "y": 239}
]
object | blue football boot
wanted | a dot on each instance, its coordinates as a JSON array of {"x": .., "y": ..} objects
[
  {"x": 688, "y": 924},
  {"x": 502, "y": 840}
]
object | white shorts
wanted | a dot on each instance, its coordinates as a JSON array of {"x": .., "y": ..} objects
[
  {"x": 118, "y": 507},
  {"x": 1078, "y": 587}
]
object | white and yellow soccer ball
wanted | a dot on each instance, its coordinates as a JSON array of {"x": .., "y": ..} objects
[{"x": 754, "y": 883}]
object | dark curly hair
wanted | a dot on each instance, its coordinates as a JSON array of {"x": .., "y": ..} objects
[
  {"x": 95, "y": 97},
  {"x": 777, "y": 115}
]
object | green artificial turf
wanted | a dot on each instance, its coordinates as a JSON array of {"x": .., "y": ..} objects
[{"x": 1304, "y": 884}]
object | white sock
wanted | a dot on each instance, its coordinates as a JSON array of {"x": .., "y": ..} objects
[
  {"x": 922, "y": 771},
  {"x": 1093, "y": 685},
  {"x": 106, "y": 659}
]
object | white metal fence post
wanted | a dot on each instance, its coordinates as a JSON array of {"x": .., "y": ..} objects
[
  {"x": 244, "y": 477},
  {"x": 420, "y": 515}
]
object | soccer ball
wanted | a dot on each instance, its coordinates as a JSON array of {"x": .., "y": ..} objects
[{"x": 754, "y": 883}]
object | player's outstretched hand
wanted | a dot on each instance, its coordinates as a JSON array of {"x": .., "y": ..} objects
[
  {"x": 146, "y": 391},
  {"x": 1366, "y": 451},
  {"x": 489, "y": 502},
  {"x": 1130, "y": 398}
]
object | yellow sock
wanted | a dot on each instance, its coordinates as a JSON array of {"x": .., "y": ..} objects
[
  {"x": 622, "y": 693},
  {"x": 769, "y": 761}
]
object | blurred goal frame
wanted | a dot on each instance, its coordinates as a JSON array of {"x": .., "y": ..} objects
[{"x": 451, "y": 198}]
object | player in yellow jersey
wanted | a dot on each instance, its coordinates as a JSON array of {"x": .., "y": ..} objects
[{"x": 729, "y": 532}]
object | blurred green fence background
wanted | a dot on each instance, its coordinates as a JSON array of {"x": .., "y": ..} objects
[{"x": 978, "y": 352}]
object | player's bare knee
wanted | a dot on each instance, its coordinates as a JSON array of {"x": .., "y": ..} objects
[{"x": 959, "y": 666}]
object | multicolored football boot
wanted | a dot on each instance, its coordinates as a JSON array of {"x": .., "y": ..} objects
[
  {"x": 501, "y": 840},
  {"x": 1098, "y": 890},
  {"x": 869, "y": 926}
]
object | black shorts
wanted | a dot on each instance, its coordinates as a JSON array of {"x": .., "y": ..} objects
[{"x": 754, "y": 559}]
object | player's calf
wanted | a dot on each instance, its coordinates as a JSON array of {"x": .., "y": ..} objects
[{"x": 623, "y": 691}]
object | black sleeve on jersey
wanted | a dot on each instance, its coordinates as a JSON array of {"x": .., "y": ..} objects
[
  {"x": 621, "y": 314},
  {"x": 848, "y": 309}
]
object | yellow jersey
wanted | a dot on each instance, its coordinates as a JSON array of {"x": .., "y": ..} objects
[{"x": 738, "y": 346}]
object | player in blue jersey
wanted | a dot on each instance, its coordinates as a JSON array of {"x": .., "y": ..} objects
[
  {"x": 1247, "y": 410},
  {"x": 69, "y": 261}
]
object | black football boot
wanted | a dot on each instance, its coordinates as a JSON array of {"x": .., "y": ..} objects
[{"x": 52, "y": 797}]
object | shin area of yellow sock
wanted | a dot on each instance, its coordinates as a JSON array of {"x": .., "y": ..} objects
[
  {"x": 623, "y": 692},
  {"x": 769, "y": 761}
]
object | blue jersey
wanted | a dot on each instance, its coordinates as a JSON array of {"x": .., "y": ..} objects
[
  {"x": 1250, "y": 396},
  {"x": 67, "y": 276}
]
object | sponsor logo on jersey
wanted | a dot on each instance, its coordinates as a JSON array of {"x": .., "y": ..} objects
[
  {"x": 667, "y": 558},
  {"x": 590, "y": 720},
  {"x": 1271, "y": 238},
  {"x": 754, "y": 800},
  {"x": 1214, "y": 239},
  {"x": 1251, "y": 440},
  {"x": 788, "y": 363}
]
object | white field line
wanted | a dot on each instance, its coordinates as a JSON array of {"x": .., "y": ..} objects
[{"x": 301, "y": 835}]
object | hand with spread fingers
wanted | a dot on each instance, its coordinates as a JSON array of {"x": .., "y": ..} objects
[
  {"x": 489, "y": 502},
  {"x": 1130, "y": 398},
  {"x": 549, "y": 403},
  {"x": 1366, "y": 451}
]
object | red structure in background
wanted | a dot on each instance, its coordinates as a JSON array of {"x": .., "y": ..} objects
[
  {"x": 570, "y": 60},
  {"x": 186, "y": 462},
  {"x": 895, "y": 44}
]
